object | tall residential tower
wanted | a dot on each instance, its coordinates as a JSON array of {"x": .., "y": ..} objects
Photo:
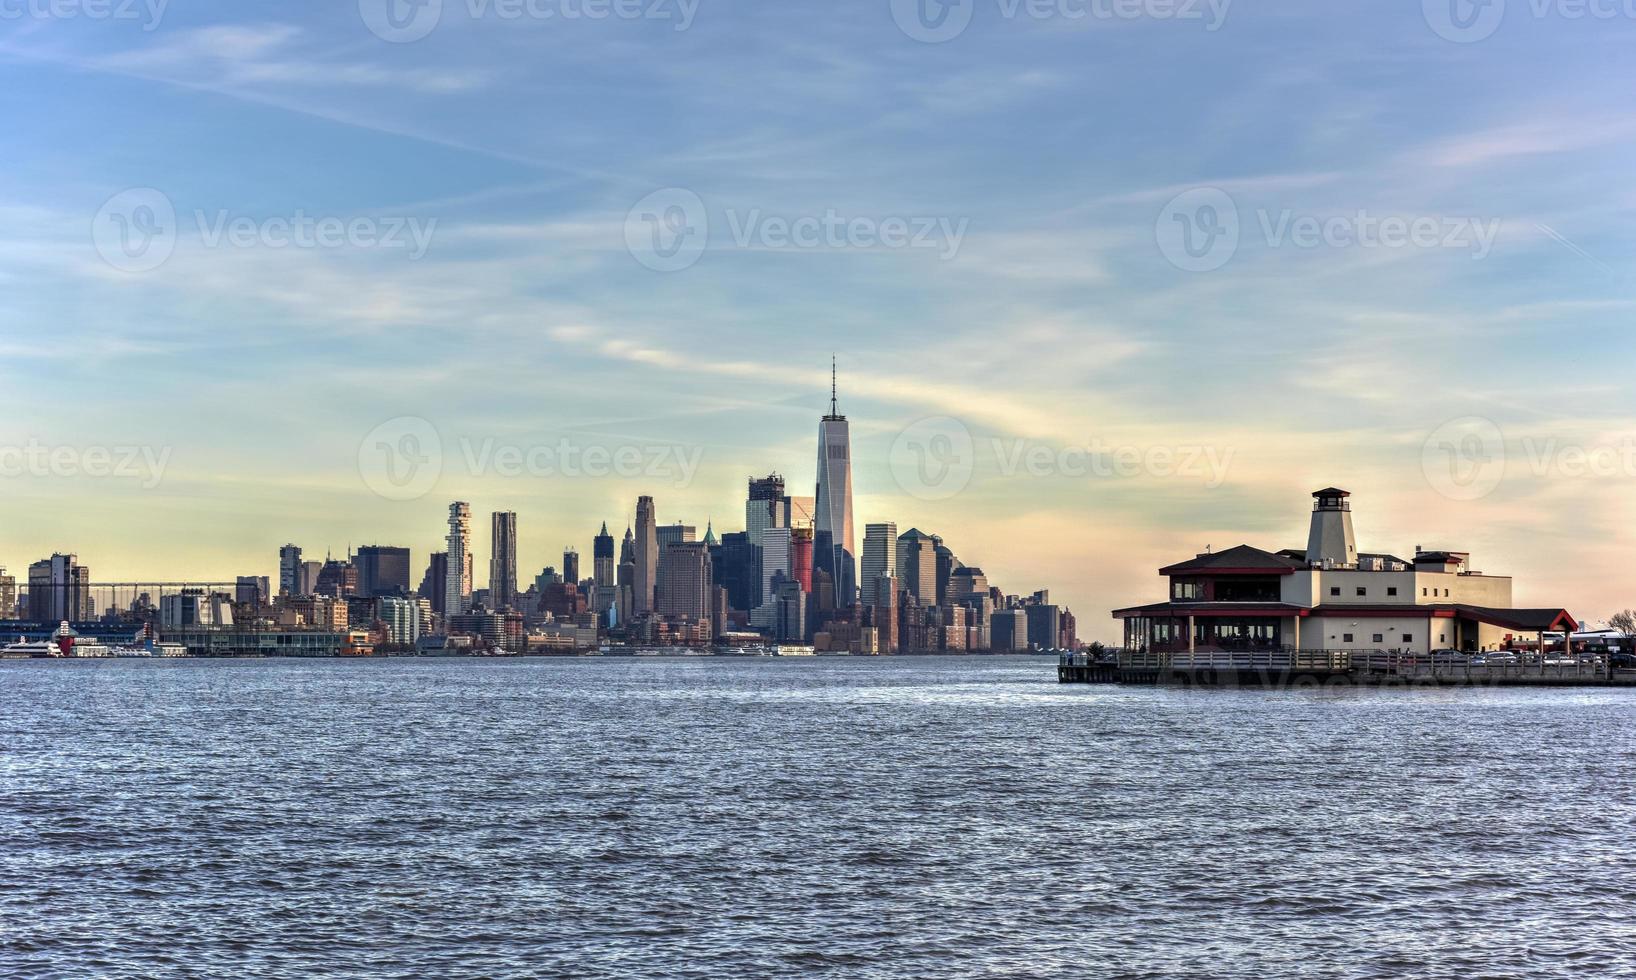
[{"x": 457, "y": 591}]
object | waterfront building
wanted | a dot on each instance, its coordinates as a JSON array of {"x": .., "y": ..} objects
[
  {"x": 1008, "y": 631},
  {"x": 8, "y": 595},
  {"x": 289, "y": 570},
  {"x": 434, "y": 585},
  {"x": 880, "y": 558},
  {"x": 684, "y": 587},
  {"x": 647, "y": 556},
  {"x": 789, "y": 622},
  {"x": 833, "y": 547},
  {"x": 401, "y": 617},
  {"x": 1044, "y": 625},
  {"x": 382, "y": 570},
  {"x": 251, "y": 592},
  {"x": 1331, "y": 597},
  {"x": 917, "y": 565},
  {"x": 195, "y": 607},
  {"x": 503, "y": 559},
  {"x": 59, "y": 588},
  {"x": 458, "y": 584}
]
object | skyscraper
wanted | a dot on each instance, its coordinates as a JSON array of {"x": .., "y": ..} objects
[
  {"x": 627, "y": 577},
  {"x": 289, "y": 570},
  {"x": 570, "y": 566},
  {"x": 833, "y": 549},
  {"x": 917, "y": 565},
  {"x": 602, "y": 559},
  {"x": 59, "y": 588},
  {"x": 647, "y": 556},
  {"x": 880, "y": 557},
  {"x": 502, "y": 560},
  {"x": 382, "y": 570},
  {"x": 8, "y": 595},
  {"x": 675, "y": 534},
  {"x": 434, "y": 585},
  {"x": 457, "y": 593},
  {"x": 684, "y": 585}
]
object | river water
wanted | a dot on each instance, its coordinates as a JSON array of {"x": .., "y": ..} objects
[{"x": 905, "y": 817}]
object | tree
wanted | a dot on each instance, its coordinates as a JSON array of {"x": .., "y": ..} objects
[{"x": 1624, "y": 621}]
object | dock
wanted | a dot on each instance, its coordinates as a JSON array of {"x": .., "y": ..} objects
[{"x": 1319, "y": 668}]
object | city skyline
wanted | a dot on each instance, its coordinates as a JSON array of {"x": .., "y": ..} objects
[{"x": 1055, "y": 312}]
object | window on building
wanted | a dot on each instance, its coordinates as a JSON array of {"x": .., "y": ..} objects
[
  {"x": 1334, "y": 590},
  {"x": 1182, "y": 589},
  {"x": 1378, "y": 638},
  {"x": 1424, "y": 591},
  {"x": 1346, "y": 637},
  {"x": 1408, "y": 637},
  {"x": 1445, "y": 593},
  {"x": 1442, "y": 638},
  {"x": 1391, "y": 590},
  {"x": 1362, "y": 590}
]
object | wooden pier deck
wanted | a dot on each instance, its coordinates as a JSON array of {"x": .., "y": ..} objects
[{"x": 1313, "y": 668}]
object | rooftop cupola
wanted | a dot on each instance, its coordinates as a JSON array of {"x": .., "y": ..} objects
[{"x": 1331, "y": 543}]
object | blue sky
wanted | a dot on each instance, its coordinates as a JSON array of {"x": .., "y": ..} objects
[{"x": 1042, "y": 159}]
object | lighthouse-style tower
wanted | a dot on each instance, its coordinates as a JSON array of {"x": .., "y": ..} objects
[{"x": 1330, "y": 543}]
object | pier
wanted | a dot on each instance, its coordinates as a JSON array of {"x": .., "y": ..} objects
[{"x": 1308, "y": 668}]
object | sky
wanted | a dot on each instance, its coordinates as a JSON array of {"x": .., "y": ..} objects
[{"x": 1107, "y": 282}]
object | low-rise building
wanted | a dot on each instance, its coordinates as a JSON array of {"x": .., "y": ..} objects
[{"x": 1331, "y": 597}]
